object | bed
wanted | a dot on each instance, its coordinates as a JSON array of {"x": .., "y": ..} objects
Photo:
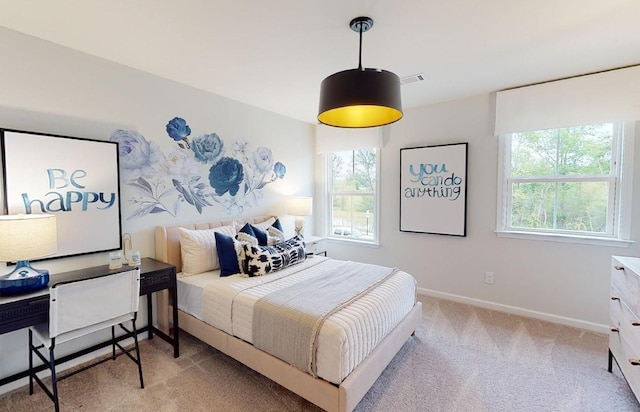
[{"x": 349, "y": 355}]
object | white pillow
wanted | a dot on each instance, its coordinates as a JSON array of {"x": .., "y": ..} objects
[{"x": 198, "y": 249}]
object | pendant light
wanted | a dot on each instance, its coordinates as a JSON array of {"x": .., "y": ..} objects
[{"x": 361, "y": 97}]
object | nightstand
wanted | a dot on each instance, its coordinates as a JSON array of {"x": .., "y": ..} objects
[
  {"x": 157, "y": 276},
  {"x": 316, "y": 245}
]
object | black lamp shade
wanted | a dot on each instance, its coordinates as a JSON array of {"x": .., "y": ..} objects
[{"x": 360, "y": 98}]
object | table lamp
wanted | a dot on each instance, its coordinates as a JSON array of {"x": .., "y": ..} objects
[
  {"x": 24, "y": 237},
  {"x": 300, "y": 207}
]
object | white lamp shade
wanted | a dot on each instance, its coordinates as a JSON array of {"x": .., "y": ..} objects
[
  {"x": 300, "y": 206},
  {"x": 24, "y": 237}
]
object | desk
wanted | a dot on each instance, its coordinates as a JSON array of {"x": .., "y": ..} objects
[{"x": 22, "y": 311}]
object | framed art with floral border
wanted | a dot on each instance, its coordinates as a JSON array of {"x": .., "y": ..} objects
[
  {"x": 433, "y": 189},
  {"x": 76, "y": 179}
]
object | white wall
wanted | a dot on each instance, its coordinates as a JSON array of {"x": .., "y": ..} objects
[
  {"x": 568, "y": 282},
  {"x": 48, "y": 88}
]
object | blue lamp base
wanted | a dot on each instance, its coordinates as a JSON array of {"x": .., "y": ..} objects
[{"x": 23, "y": 279}]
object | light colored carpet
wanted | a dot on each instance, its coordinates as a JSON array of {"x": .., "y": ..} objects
[{"x": 462, "y": 358}]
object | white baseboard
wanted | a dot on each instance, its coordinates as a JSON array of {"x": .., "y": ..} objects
[{"x": 576, "y": 323}]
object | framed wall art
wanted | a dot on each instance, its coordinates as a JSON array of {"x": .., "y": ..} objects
[
  {"x": 433, "y": 189},
  {"x": 76, "y": 179}
]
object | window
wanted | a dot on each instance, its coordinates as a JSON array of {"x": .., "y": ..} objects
[
  {"x": 353, "y": 188},
  {"x": 563, "y": 182}
]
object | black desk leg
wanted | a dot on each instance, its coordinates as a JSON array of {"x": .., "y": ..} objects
[{"x": 150, "y": 315}]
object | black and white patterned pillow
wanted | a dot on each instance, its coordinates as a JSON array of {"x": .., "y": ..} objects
[{"x": 262, "y": 260}]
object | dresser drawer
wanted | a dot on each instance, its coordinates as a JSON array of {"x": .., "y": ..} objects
[
  {"x": 615, "y": 345},
  {"x": 629, "y": 330},
  {"x": 615, "y": 312},
  {"x": 23, "y": 313},
  {"x": 624, "y": 344},
  {"x": 628, "y": 358},
  {"x": 156, "y": 281},
  {"x": 624, "y": 284}
]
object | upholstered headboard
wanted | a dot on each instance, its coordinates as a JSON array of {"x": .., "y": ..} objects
[{"x": 168, "y": 237}]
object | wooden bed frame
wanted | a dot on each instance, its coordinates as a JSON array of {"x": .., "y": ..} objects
[{"x": 328, "y": 396}]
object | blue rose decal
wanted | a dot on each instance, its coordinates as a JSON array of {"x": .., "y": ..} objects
[
  {"x": 137, "y": 155},
  {"x": 178, "y": 129},
  {"x": 263, "y": 159},
  {"x": 207, "y": 147},
  {"x": 226, "y": 175},
  {"x": 279, "y": 169}
]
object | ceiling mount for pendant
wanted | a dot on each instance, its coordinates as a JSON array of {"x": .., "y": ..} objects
[
  {"x": 361, "y": 97},
  {"x": 361, "y": 24}
]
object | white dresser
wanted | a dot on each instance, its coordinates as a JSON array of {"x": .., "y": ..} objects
[{"x": 624, "y": 337}]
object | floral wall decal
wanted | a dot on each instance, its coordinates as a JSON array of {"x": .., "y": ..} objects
[
  {"x": 234, "y": 177},
  {"x": 178, "y": 130}
]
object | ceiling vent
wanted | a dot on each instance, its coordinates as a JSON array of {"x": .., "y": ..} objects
[{"x": 414, "y": 78}]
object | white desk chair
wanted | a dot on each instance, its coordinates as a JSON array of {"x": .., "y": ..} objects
[{"x": 80, "y": 307}]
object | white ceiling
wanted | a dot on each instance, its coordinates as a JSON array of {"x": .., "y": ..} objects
[{"x": 274, "y": 54}]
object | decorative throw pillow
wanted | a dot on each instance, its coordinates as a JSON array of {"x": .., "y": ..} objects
[
  {"x": 268, "y": 232},
  {"x": 276, "y": 234},
  {"x": 262, "y": 260},
  {"x": 198, "y": 249},
  {"x": 261, "y": 235},
  {"x": 230, "y": 254},
  {"x": 247, "y": 234}
]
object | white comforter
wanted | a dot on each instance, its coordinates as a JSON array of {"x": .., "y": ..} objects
[{"x": 345, "y": 339}]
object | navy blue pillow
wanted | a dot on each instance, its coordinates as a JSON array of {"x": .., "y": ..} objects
[
  {"x": 225, "y": 246},
  {"x": 261, "y": 235},
  {"x": 277, "y": 225},
  {"x": 247, "y": 234}
]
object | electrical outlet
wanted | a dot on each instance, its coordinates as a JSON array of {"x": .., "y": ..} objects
[{"x": 488, "y": 278}]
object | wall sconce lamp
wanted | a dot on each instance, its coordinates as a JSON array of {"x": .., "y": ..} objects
[
  {"x": 361, "y": 97},
  {"x": 300, "y": 207},
  {"x": 24, "y": 237}
]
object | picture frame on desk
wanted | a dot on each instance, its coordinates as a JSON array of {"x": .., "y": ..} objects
[{"x": 74, "y": 178}]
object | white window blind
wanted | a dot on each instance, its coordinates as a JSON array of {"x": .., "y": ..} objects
[{"x": 612, "y": 96}]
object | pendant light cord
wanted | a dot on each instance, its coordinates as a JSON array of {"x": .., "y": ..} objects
[{"x": 360, "y": 53}]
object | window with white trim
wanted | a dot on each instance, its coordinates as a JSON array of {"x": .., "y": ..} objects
[
  {"x": 565, "y": 181},
  {"x": 353, "y": 194}
]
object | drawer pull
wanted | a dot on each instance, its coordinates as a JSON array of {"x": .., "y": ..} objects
[
  {"x": 614, "y": 329},
  {"x": 618, "y": 267},
  {"x": 635, "y": 323},
  {"x": 615, "y": 298},
  {"x": 634, "y": 362}
]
